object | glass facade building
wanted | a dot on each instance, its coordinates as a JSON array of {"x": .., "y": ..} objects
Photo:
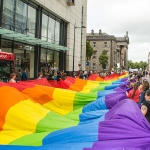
[{"x": 39, "y": 37}]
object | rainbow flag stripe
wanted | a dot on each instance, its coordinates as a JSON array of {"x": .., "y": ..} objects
[{"x": 72, "y": 114}]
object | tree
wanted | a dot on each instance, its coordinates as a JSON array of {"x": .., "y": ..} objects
[
  {"x": 103, "y": 59},
  {"x": 89, "y": 50},
  {"x": 130, "y": 64},
  {"x": 137, "y": 65}
]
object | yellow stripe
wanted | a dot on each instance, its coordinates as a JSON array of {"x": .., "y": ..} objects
[
  {"x": 22, "y": 118},
  {"x": 90, "y": 85},
  {"x": 8, "y": 136},
  {"x": 52, "y": 105},
  {"x": 65, "y": 98},
  {"x": 86, "y": 91}
]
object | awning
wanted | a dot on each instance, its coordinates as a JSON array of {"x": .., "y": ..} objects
[{"x": 30, "y": 40}]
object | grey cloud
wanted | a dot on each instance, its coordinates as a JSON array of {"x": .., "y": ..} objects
[{"x": 118, "y": 16}]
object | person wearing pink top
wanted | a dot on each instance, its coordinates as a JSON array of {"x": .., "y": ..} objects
[{"x": 134, "y": 94}]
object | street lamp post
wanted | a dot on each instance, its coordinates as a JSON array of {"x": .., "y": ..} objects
[{"x": 74, "y": 43}]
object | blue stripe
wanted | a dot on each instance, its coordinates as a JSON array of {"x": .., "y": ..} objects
[
  {"x": 105, "y": 92},
  {"x": 98, "y": 104}
]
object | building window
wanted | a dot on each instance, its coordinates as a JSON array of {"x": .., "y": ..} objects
[
  {"x": 19, "y": 17},
  {"x": 95, "y": 53},
  {"x": 94, "y": 57},
  {"x": 94, "y": 68},
  {"x": 6, "y": 46},
  {"x": 94, "y": 64},
  {"x": 105, "y": 44},
  {"x": 50, "y": 29},
  {"x": 44, "y": 27},
  {"x": 57, "y": 32},
  {"x": 24, "y": 58},
  {"x": 94, "y": 44},
  {"x": 49, "y": 60},
  {"x": 56, "y": 60}
]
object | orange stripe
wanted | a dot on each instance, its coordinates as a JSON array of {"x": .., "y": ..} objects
[
  {"x": 48, "y": 90},
  {"x": 40, "y": 93},
  {"x": 9, "y": 97},
  {"x": 78, "y": 85}
]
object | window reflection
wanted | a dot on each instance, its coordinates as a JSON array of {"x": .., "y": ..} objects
[
  {"x": 51, "y": 30},
  {"x": 57, "y": 32},
  {"x": 19, "y": 17},
  {"x": 24, "y": 58},
  {"x": 8, "y": 14},
  {"x": 49, "y": 60},
  {"x": 44, "y": 27},
  {"x": 31, "y": 21},
  {"x": 56, "y": 60},
  {"x": 6, "y": 46}
]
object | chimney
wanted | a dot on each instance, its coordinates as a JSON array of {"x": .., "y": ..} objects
[
  {"x": 100, "y": 31},
  {"x": 92, "y": 32},
  {"x": 127, "y": 33}
]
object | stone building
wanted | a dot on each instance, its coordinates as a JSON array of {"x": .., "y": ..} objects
[
  {"x": 116, "y": 47},
  {"x": 44, "y": 34}
]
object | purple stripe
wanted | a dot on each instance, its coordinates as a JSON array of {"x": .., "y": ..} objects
[
  {"x": 112, "y": 99},
  {"x": 125, "y": 127}
]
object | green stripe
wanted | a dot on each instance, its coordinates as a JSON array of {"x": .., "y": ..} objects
[
  {"x": 82, "y": 99},
  {"x": 30, "y": 140},
  {"x": 50, "y": 123}
]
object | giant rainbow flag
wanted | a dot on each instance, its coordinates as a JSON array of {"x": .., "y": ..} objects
[{"x": 73, "y": 114}]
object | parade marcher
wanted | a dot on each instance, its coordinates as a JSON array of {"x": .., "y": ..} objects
[
  {"x": 145, "y": 108},
  {"x": 24, "y": 75},
  {"x": 12, "y": 78},
  {"x": 40, "y": 75},
  {"x": 145, "y": 87},
  {"x": 134, "y": 93}
]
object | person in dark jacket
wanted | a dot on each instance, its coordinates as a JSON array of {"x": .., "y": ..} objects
[
  {"x": 24, "y": 75},
  {"x": 145, "y": 87},
  {"x": 145, "y": 109}
]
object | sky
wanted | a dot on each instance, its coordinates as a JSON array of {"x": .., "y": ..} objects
[{"x": 115, "y": 17}]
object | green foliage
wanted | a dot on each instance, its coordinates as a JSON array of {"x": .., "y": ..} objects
[
  {"x": 137, "y": 65},
  {"x": 103, "y": 59},
  {"x": 89, "y": 50}
]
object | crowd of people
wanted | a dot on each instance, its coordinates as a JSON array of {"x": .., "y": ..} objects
[{"x": 140, "y": 92}]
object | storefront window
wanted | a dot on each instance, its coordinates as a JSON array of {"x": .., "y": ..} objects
[
  {"x": 43, "y": 59},
  {"x": 50, "y": 58},
  {"x": 30, "y": 60},
  {"x": 57, "y": 32},
  {"x": 24, "y": 58},
  {"x": 56, "y": 60},
  {"x": 51, "y": 30},
  {"x": 44, "y": 27},
  {"x": 6, "y": 46}
]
